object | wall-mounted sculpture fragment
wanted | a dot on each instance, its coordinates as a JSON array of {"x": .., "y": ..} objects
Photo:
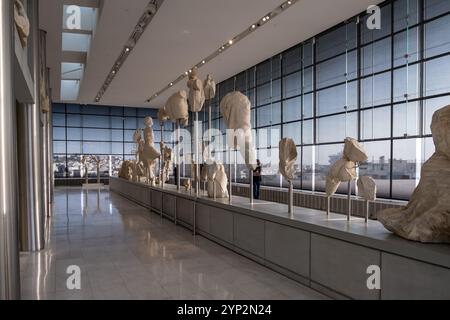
[
  {"x": 287, "y": 156},
  {"x": 22, "y": 22}
]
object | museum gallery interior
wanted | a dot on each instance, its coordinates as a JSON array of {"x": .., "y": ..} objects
[{"x": 224, "y": 150}]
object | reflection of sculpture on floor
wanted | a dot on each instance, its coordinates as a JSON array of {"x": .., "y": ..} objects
[
  {"x": 344, "y": 170},
  {"x": 148, "y": 153},
  {"x": 126, "y": 171},
  {"x": 22, "y": 22},
  {"x": 217, "y": 181},
  {"x": 236, "y": 111},
  {"x": 426, "y": 218},
  {"x": 167, "y": 164}
]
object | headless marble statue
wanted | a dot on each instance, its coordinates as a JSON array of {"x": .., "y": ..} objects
[
  {"x": 22, "y": 22},
  {"x": 196, "y": 91},
  {"x": 426, "y": 218},
  {"x": 177, "y": 108},
  {"x": 235, "y": 108},
  {"x": 217, "y": 181}
]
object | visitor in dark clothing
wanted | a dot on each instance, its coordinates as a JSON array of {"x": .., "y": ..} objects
[{"x": 257, "y": 173}]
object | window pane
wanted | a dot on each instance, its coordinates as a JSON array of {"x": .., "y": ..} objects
[
  {"x": 96, "y": 121},
  {"x": 59, "y": 119},
  {"x": 96, "y": 135},
  {"x": 435, "y": 8},
  {"x": 131, "y": 123},
  {"x": 407, "y": 119},
  {"x": 263, "y": 71},
  {"x": 308, "y": 132},
  {"x": 97, "y": 148},
  {"x": 308, "y": 105},
  {"x": 376, "y": 123},
  {"x": 74, "y": 120},
  {"x": 59, "y": 133},
  {"x": 59, "y": 107},
  {"x": 376, "y": 90},
  {"x": 406, "y": 13},
  {"x": 336, "y": 70},
  {"x": 406, "y": 83},
  {"x": 308, "y": 165},
  {"x": 269, "y": 163},
  {"x": 436, "y": 37},
  {"x": 117, "y": 123},
  {"x": 292, "y": 109},
  {"x": 437, "y": 76},
  {"x": 336, "y": 41},
  {"x": 74, "y": 147},
  {"x": 269, "y": 137},
  {"x": 406, "y": 47},
  {"x": 75, "y": 133},
  {"x": 264, "y": 94},
  {"x": 376, "y": 57},
  {"x": 337, "y": 99},
  {"x": 344, "y": 125},
  {"x": 59, "y": 147},
  {"x": 406, "y": 167},
  {"x": 293, "y": 131},
  {"x": 292, "y": 60},
  {"x": 59, "y": 166},
  {"x": 292, "y": 85}
]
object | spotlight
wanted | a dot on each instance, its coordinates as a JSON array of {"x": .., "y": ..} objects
[{"x": 230, "y": 42}]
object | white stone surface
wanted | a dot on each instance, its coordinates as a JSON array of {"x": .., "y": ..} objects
[
  {"x": 426, "y": 218},
  {"x": 209, "y": 87},
  {"x": 367, "y": 188},
  {"x": 22, "y": 22},
  {"x": 344, "y": 169},
  {"x": 287, "y": 156},
  {"x": 196, "y": 92},
  {"x": 235, "y": 108},
  {"x": 218, "y": 178},
  {"x": 177, "y": 108}
]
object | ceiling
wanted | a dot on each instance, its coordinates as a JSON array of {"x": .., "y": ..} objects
[{"x": 182, "y": 33}]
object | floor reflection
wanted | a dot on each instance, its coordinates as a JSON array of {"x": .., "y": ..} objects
[{"x": 126, "y": 252}]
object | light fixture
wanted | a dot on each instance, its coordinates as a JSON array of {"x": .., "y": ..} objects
[
  {"x": 145, "y": 19},
  {"x": 274, "y": 13}
]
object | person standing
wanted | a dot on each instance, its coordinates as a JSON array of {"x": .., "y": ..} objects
[{"x": 257, "y": 173}]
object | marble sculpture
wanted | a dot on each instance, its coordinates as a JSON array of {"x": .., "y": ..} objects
[
  {"x": 167, "y": 152},
  {"x": 22, "y": 22},
  {"x": 196, "y": 91},
  {"x": 344, "y": 170},
  {"x": 426, "y": 218},
  {"x": 126, "y": 171},
  {"x": 217, "y": 181},
  {"x": 288, "y": 156},
  {"x": 177, "y": 108},
  {"x": 367, "y": 188},
  {"x": 147, "y": 151},
  {"x": 235, "y": 109},
  {"x": 209, "y": 87}
]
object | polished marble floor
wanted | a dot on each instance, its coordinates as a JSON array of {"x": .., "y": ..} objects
[{"x": 125, "y": 252}]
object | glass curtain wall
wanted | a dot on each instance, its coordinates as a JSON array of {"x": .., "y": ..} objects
[
  {"x": 379, "y": 86},
  {"x": 106, "y": 132}
]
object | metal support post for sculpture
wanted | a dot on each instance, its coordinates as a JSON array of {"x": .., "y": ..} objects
[
  {"x": 230, "y": 166},
  {"x": 367, "y": 211},
  {"x": 291, "y": 198},
  {"x": 196, "y": 156},
  {"x": 328, "y": 205},
  {"x": 252, "y": 194},
  {"x": 162, "y": 159},
  {"x": 178, "y": 157},
  {"x": 349, "y": 201}
]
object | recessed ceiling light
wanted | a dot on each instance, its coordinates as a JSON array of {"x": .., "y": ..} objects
[
  {"x": 171, "y": 84},
  {"x": 230, "y": 42},
  {"x": 127, "y": 49},
  {"x": 203, "y": 62},
  {"x": 253, "y": 26}
]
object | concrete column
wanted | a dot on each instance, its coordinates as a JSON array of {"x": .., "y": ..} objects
[{"x": 9, "y": 248}]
